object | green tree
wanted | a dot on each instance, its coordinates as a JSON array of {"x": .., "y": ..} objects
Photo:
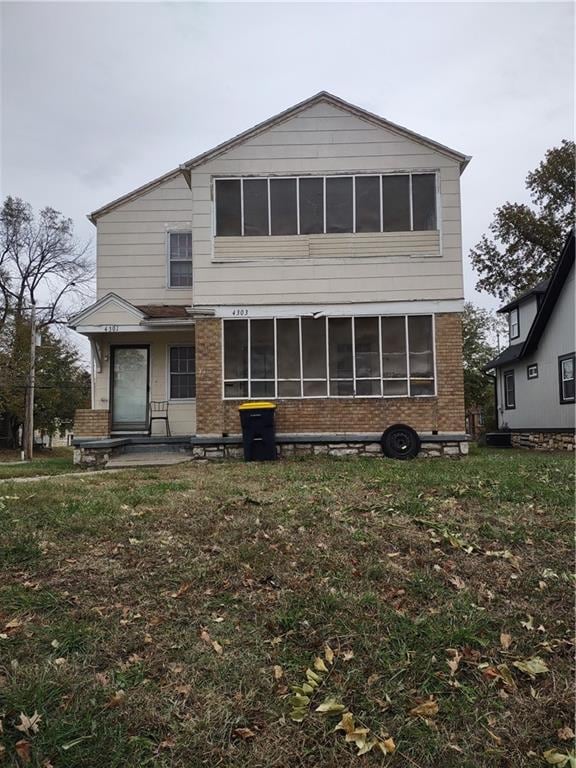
[
  {"x": 524, "y": 241},
  {"x": 62, "y": 382},
  {"x": 480, "y": 329}
]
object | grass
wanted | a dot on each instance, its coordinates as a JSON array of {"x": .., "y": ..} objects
[
  {"x": 109, "y": 580},
  {"x": 55, "y": 461}
]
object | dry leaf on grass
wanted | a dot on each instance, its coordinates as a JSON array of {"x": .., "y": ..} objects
[
  {"x": 457, "y": 582},
  {"x": 181, "y": 591},
  {"x": 347, "y": 655},
  {"x": 22, "y": 748},
  {"x": 427, "y": 708},
  {"x": 505, "y": 640},
  {"x": 319, "y": 665},
  {"x": 560, "y": 759},
  {"x": 328, "y": 654},
  {"x": 117, "y": 699},
  {"x": 244, "y": 733},
  {"x": 534, "y": 666},
  {"x": 566, "y": 733},
  {"x": 205, "y": 637},
  {"x": 278, "y": 672},
  {"x": 29, "y": 725}
]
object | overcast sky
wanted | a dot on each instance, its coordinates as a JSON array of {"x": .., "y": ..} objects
[{"x": 98, "y": 98}]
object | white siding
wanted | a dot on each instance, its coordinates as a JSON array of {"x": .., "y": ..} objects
[
  {"x": 132, "y": 245},
  {"x": 323, "y": 139},
  {"x": 538, "y": 400},
  {"x": 182, "y": 414}
]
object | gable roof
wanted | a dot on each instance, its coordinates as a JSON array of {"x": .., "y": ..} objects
[
  {"x": 109, "y": 298},
  {"x": 538, "y": 290},
  {"x": 321, "y": 97},
  {"x": 544, "y": 313}
]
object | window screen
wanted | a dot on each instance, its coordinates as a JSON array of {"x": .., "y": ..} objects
[
  {"x": 423, "y": 201},
  {"x": 283, "y": 207},
  {"x": 182, "y": 373},
  {"x": 396, "y": 203},
  {"x": 339, "y": 204},
  {"x": 311, "y": 206},
  {"x": 367, "y": 204},
  {"x": 228, "y": 207},
  {"x": 255, "y": 206}
]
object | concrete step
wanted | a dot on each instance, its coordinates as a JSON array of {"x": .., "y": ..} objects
[{"x": 147, "y": 459}]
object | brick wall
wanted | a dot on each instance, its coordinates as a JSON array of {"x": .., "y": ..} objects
[
  {"x": 91, "y": 423},
  {"x": 445, "y": 412}
]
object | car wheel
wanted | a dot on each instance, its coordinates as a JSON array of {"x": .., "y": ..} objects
[{"x": 400, "y": 442}]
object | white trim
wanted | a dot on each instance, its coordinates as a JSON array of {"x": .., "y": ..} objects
[
  {"x": 416, "y": 307},
  {"x": 109, "y": 298}
]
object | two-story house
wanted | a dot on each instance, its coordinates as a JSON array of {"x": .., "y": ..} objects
[
  {"x": 535, "y": 373},
  {"x": 314, "y": 260}
]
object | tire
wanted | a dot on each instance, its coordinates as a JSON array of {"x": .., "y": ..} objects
[{"x": 400, "y": 442}]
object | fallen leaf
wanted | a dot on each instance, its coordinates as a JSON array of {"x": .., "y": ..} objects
[
  {"x": 330, "y": 707},
  {"x": 278, "y": 672},
  {"x": 217, "y": 647},
  {"x": 534, "y": 666},
  {"x": 553, "y": 757},
  {"x": 528, "y": 624},
  {"x": 319, "y": 665},
  {"x": 328, "y": 654},
  {"x": 505, "y": 640},
  {"x": 457, "y": 582},
  {"x": 454, "y": 662},
  {"x": 347, "y": 655},
  {"x": 244, "y": 733},
  {"x": 566, "y": 733},
  {"x": 22, "y": 748},
  {"x": 181, "y": 591},
  {"x": 117, "y": 699},
  {"x": 29, "y": 725},
  {"x": 428, "y": 708},
  {"x": 373, "y": 678}
]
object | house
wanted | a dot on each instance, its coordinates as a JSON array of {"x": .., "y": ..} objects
[
  {"x": 535, "y": 373},
  {"x": 314, "y": 260}
]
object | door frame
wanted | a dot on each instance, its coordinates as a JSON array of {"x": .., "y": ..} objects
[{"x": 113, "y": 348}]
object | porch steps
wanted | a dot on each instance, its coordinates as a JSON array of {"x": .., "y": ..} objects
[{"x": 148, "y": 458}]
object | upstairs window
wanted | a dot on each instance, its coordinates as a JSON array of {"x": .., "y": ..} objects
[
  {"x": 514, "y": 324},
  {"x": 313, "y": 205},
  {"x": 566, "y": 365},
  {"x": 180, "y": 259}
]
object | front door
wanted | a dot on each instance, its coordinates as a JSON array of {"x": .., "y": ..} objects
[{"x": 129, "y": 388}]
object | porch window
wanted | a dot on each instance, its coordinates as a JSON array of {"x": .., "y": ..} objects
[
  {"x": 566, "y": 365},
  {"x": 180, "y": 259},
  {"x": 329, "y": 357},
  {"x": 310, "y": 205},
  {"x": 182, "y": 373},
  {"x": 509, "y": 391}
]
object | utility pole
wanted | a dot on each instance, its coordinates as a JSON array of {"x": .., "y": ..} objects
[{"x": 28, "y": 432}]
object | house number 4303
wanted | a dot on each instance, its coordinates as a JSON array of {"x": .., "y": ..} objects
[
  {"x": 239, "y": 313},
  {"x": 110, "y": 328}
]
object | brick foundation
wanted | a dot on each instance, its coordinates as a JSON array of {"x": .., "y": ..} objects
[
  {"x": 444, "y": 413},
  {"x": 91, "y": 423},
  {"x": 543, "y": 441}
]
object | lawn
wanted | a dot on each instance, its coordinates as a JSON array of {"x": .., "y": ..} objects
[
  {"x": 161, "y": 616},
  {"x": 45, "y": 462}
]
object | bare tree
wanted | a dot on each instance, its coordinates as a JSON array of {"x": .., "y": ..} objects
[{"x": 40, "y": 260}]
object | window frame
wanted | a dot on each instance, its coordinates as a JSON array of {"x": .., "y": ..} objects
[
  {"x": 561, "y": 359},
  {"x": 169, "y": 397},
  {"x": 517, "y": 334},
  {"x": 505, "y": 376},
  {"x": 533, "y": 376},
  {"x": 324, "y": 177},
  {"x": 169, "y": 260},
  {"x": 303, "y": 379}
]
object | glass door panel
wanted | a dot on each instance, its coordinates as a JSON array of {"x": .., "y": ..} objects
[{"x": 129, "y": 389}]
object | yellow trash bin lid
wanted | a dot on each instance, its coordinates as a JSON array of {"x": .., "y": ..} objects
[{"x": 256, "y": 405}]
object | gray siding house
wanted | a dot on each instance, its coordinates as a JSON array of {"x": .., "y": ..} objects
[{"x": 535, "y": 393}]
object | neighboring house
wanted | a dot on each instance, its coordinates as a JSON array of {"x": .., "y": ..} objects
[
  {"x": 535, "y": 374},
  {"x": 314, "y": 260}
]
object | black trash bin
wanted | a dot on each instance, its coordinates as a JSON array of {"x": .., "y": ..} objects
[{"x": 258, "y": 431}]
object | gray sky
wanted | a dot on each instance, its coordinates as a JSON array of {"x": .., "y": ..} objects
[{"x": 98, "y": 98}]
